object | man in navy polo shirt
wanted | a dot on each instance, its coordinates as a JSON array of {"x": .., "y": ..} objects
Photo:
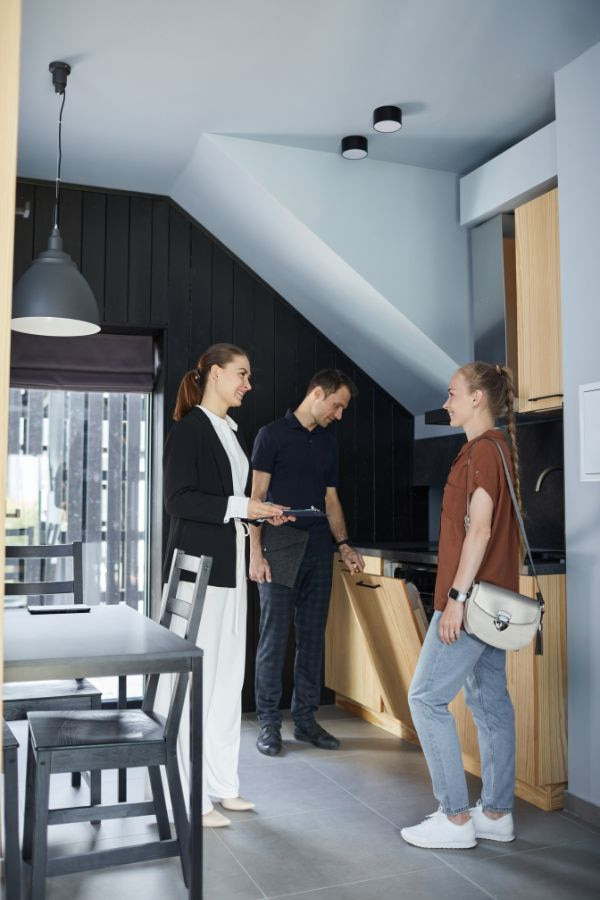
[{"x": 295, "y": 461}]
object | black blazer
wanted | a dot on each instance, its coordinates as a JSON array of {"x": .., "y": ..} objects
[{"x": 197, "y": 484}]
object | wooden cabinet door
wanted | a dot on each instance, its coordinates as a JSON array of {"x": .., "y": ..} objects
[
  {"x": 538, "y": 687},
  {"x": 391, "y": 632},
  {"x": 538, "y": 304},
  {"x": 349, "y": 670}
]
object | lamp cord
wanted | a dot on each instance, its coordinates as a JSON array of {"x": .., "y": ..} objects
[{"x": 59, "y": 155}]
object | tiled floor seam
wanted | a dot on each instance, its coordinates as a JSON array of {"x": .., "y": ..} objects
[
  {"x": 354, "y": 797},
  {"x": 258, "y": 818},
  {"x": 241, "y": 865},
  {"x": 466, "y": 877},
  {"x": 344, "y": 884}
]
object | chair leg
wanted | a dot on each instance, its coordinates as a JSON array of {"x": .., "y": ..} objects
[
  {"x": 95, "y": 778},
  {"x": 182, "y": 825},
  {"x": 160, "y": 807},
  {"x": 39, "y": 855},
  {"x": 29, "y": 803},
  {"x": 76, "y": 779},
  {"x": 12, "y": 861}
]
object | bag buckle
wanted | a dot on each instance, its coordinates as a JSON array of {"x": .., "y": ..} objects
[{"x": 502, "y": 620}]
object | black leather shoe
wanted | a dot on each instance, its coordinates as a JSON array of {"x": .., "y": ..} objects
[
  {"x": 312, "y": 733},
  {"x": 269, "y": 740}
]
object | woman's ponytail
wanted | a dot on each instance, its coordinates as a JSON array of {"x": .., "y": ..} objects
[{"x": 193, "y": 384}]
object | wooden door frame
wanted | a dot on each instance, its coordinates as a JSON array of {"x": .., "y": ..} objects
[{"x": 10, "y": 42}]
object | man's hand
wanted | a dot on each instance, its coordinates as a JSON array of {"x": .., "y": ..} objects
[
  {"x": 352, "y": 559},
  {"x": 451, "y": 621},
  {"x": 259, "y": 569}
]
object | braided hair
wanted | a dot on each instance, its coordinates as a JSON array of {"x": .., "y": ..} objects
[{"x": 496, "y": 382}]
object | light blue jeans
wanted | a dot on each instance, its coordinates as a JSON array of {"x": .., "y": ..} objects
[{"x": 442, "y": 670}]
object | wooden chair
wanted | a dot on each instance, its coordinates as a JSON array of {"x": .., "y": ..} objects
[
  {"x": 12, "y": 859},
  {"x": 23, "y": 697},
  {"x": 70, "y": 741}
]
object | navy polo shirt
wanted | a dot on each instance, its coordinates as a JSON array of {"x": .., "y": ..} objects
[{"x": 302, "y": 465}]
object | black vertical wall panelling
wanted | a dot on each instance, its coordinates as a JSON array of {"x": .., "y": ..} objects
[
  {"x": 93, "y": 237},
  {"x": 264, "y": 355},
  {"x": 200, "y": 295},
  {"x": 403, "y": 436},
  {"x": 222, "y": 296},
  {"x": 324, "y": 353},
  {"x": 116, "y": 279},
  {"x": 70, "y": 223},
  {"x": 347, "y": 443},
  {"x": 364, "y": 457},
  {"x": 140, "y": 271},
  {"x": 243, "y": 337},
  {"x": 286, "y": 358},
  {"x": 383, "y": 468},
  {"x": 23, "y": 231},
  {"x": 159, "y": 256},
  {"x": 42, "y": 217},
  {"x": 306, "y": 356},
  {"x": 178, "y": 349}
]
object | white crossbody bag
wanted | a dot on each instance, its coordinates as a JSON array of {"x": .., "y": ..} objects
[{"x": 505, "y": 619}]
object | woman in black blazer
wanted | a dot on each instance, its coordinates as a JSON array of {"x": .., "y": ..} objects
[{"x": 206, "y": 476}]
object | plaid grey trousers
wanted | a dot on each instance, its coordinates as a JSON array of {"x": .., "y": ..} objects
[{"x": 308, "y": 603}]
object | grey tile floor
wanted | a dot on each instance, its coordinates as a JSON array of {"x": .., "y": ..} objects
[{"x": 326, "y": 826}]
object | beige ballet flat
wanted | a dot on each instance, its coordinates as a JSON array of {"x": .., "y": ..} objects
[
  {"x": 237, "y": 804},
  {"x": 215, "y": 819}
]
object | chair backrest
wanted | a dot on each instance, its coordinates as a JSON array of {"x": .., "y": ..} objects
[
  {"x": 174, "y": 607},
  {"x": 45, "y": 588}
]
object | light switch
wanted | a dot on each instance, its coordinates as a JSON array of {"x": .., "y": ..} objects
[{"x": 589, "y": 431}]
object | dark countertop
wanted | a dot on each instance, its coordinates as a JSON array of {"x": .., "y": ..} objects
[{"x": 547, "y": 562}]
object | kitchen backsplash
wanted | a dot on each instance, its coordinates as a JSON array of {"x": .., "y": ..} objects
[{"x": 540, "y": 444}]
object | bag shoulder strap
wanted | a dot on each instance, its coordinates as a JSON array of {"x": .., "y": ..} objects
[{"x": 518, "y": 515}]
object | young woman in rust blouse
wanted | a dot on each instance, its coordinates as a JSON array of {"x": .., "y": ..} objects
[{"x": 452, "y": 659}]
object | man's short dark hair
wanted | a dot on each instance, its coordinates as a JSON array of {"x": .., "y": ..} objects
[{"x": 331, "y": 380}]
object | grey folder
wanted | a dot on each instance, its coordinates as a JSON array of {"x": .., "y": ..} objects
[{"x": 283, "y": 547}]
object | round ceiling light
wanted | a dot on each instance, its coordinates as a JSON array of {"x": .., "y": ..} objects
[
  {"x": 387, "y": 119},
  {"x": 355, "y": 146}
]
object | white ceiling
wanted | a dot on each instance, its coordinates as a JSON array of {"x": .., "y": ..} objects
[
  {"x": 152, "y": 82},
  {"x": 472, "y": 77}
]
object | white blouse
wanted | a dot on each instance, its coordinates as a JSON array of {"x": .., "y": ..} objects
[{"x": 237, "y": 505}]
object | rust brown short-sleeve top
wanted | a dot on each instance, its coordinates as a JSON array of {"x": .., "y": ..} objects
[{"x": 478, "y": 465}]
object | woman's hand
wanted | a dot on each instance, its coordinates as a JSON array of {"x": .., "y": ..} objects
[
  {"x": 259, "y": 510},
  {"x": 451, "y": 621}
]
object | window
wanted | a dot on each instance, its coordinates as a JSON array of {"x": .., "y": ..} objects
[{"x": 78, "y": 470}]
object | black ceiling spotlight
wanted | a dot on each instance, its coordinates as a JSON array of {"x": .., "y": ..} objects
[
  {"x": 52, "y": 297},
  {"x": 355, "y": 146},
  {"x": 387, "y": 119}
]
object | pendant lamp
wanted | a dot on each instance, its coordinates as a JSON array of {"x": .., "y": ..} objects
[{"x": 52, "y": 297}]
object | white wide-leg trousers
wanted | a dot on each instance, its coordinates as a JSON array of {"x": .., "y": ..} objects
[{"x": 222, "y": 636}]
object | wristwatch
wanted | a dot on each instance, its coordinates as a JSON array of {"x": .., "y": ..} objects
[
  {"x": 344, "y": 541},
  {"x": 453, "y": 594}
]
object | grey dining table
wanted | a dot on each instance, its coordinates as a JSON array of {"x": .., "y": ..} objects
[{"x": 111, "y": 640}]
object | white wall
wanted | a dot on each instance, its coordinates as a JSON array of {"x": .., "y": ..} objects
[
  {"x": 578, "y": 155},
  {"x": 520, "y": 173},
  {"x": 370, "y": 252}
]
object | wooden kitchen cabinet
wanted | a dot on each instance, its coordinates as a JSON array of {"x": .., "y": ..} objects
[
  {"x": 538, "y": 304},
  {"x": 373, "y": 639},
  {"x": 538, "y": 688}
]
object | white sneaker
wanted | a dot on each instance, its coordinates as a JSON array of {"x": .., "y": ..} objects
[
  {"x": 437, "y": 832},
  {"x": 502, "y": 829}
]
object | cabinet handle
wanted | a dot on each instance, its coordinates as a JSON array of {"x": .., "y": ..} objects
[
  {"x": 366, "y": 584},
  {"x": 545, "y": 397}
]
